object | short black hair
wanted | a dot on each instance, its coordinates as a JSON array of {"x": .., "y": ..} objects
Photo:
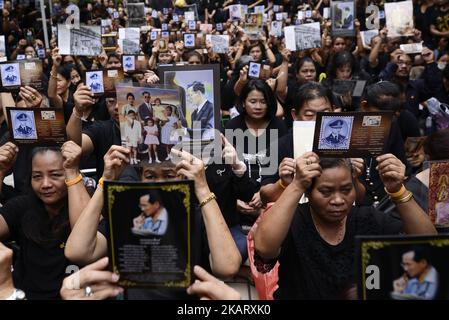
[
  {"x": 129, "y": 94},
  {"x": 153, "y": 196},
  {"x": 383, "y": 95},
  {"x": 330, "y": 163},
  {"x": 262, "y": 86},
  {"x": 420, "y": 253},
  {"x": 310, "y": 91},
  {"x": 147, "y": 92},
  {"x": 197, "y": 86}
]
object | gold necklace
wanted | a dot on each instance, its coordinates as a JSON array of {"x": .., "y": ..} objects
[{"x": 340, "y": 234}]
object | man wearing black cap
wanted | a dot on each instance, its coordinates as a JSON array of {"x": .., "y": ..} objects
[{"x": 335, "y": 137}]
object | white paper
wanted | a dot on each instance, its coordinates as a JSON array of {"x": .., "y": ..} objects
[
  {"x": 411, "y": 48},
  {"x": 326, "y": 13},
  {"x": 303, "y": 134},
  {"x": 63, "y": 39},
  {"x": 189, "y": 15},
  {"x": 290, "y": 41}
]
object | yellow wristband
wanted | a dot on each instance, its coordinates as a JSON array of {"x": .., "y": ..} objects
[
  {"x": 397, "y": 194},
  {"x": 280, "y": 183},
  {"x": 208, "y": 199},
  {"x": 101, "y": 183},
  {"x": 72, "y": 182}
]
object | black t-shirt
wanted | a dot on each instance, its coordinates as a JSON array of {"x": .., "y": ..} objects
[
  {"x": 423, "y": 22},
  {"x": 40, "y": 268},
  {"x": 285, "y": 150},
  {"x": 103, "y": 134},
  {"x": 310, "y": 268},
  {"x": 254, "y": 157}
]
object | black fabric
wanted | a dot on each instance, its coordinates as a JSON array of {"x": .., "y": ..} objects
[
  {"x": 103, "y": 134},
  {"x": 254, "y": 168},
  {"x": 228, "y": 188},
  {"x": 310, "y": 268},
  {"x": 285, "y": 150}
]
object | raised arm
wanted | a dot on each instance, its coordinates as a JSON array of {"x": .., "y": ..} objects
[
  {"x": 85, "y": 244},
  {"x": 392, "y": 174},
  {"x": 282, "y": 88},
  {"x": 225, "y": 259},
  {"x": 77, "y": 193},
  {"x": 275, "y": 224},
  {"x": 55, "y": 99}
]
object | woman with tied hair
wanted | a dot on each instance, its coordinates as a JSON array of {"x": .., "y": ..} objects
[{"x": 314, "y": 242}]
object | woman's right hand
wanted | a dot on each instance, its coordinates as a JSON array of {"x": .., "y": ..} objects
[
  {"x": 307, "y": 168},
  {"x": 115, "y": 161},
  {"x": 8, "y": 155},
  {"x": 244, "y": 74}
]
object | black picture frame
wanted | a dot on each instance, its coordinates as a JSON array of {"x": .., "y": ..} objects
[
  {"x": 190, "y": 73},
  {"x": 384, "y": 255},
  {"x": 341, "y": 26}
]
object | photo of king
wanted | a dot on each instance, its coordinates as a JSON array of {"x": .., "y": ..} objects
[{"x": 336, "y": 138}]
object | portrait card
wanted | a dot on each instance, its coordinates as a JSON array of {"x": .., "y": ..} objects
[
  {"x": 36, "y": 126},
  {"x": 135, "y": 63},
  {"x": 342, "y": 17},
  {"x": 189, "y": 40},
  {"x": 402, "y": 267},
  {"x": 189, "y": 16},
  {"x": 303, "y": 133},
  {"x": 254, "y": 25},
  {"x": 94, "y": 80},
  {"x": 220, "y": 43},
  {"x": 276, "y": 28},
  {"x": 351, "y": 134},
  {"x": 109, "y": 41},
  {"x": 302, "y": 37},
  {"x": 399, "y": 18},
  {"x": 200, "y": 86},
  {"x": 152, "y": 233},
  {"x": 15, "y": 74},
  {"x": 439, "y": 193},
  {"x": 236, "y": 12},
  {"x": 192, "y": 25},
  {"x": 367, "y": 36}
]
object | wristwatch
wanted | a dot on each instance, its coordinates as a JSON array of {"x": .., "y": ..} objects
[{"x": 17, "y": 295}]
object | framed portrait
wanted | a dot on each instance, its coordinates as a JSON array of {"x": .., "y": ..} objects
[
  {"x": 151, "y": 233},
  {"x": 200, "y": 87},
  {"x": 342, "y": 16},
  {"x": 402, "y": 267},
  {"x": 109, "y": 41},
  {"x": 36, "y": 126}
]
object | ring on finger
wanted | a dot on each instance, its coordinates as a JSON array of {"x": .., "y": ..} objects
[
  {"x": 33, "y": 97},
  {"x": 88, "y": 291}
]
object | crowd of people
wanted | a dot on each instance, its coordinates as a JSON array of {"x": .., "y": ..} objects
[{"x": 52, "y": 215}]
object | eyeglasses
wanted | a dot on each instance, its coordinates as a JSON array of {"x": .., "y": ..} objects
[{"x": 401, "y": 63}]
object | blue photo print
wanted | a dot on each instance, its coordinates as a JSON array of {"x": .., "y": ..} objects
[
  {"x": 335, "y": 133},
  {"x": 10, "y": 74},
  {"x": 23, "y": 124},
  {"x": 94, "y": 80}
]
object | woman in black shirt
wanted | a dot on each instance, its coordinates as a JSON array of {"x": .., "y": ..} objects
[{"x": 315, "y": 242}]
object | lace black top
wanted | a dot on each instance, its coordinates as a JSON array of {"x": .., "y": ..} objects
[{"x": 310, "y": 268}]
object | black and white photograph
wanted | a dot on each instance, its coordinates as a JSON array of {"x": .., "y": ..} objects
[
  {"x": 10, "y": 73},
  {"x": 129, "y": 46},
  {"x": 85, "y": 41},
  {"x": 136, "y": 14},
  {"x": 94, "y": 80},
  {"x": 276, "y": 28},
  {"x": 302, "y": 37},
  {"x": 335, "y": 132},
  {"x": 192, "y": 25},
  {"x": 371, "y": 121},
  {"x": 220, "y": 43},
  {"x": 23, "y": 124},
  {"x": 342, "y": 17}
]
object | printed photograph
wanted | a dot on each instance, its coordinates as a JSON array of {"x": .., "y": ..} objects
[
  {"x": 23, "y": 124},
  {"x": 371, "y": 121},
  {"x": 342, "y": 17},
  {"x": 94, "y": 80},
  {"x": 399, "y": 18},
  {"x": 406, "y": 267},
  {"x": 10, "y": 74},
  {"x": 335, "y": 132},
  {"x": 85, "y": 41}
]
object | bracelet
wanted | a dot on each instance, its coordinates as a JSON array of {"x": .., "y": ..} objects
[
  {"x": 280, "y": 183},
  {"x": 72, "y": 182},
  {"x": 396, "y": 194},
  {"x": 76, "y": 114},
  {"x": 404, "y": 199},
  {"x": 208, "y": 199},
  {"x": 101, "y": 183}
]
